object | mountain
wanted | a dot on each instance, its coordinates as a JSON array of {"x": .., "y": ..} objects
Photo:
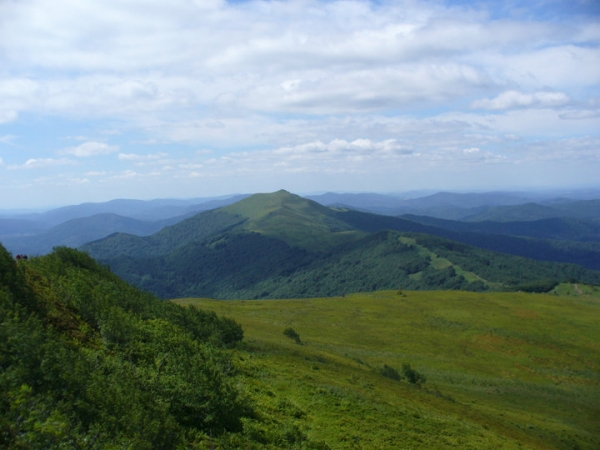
[
  {"x": 20, "y": 227},
  {"x": 281, "y": 245},
  {"x": 487, "y": 206},
  {"x": 76, "y": 232},
  {"x": 553, "y": 228},
  {"x": 75, "y": 225},
  {"x": 147, "y": 210},
  {"x": 442, "y": 204}
]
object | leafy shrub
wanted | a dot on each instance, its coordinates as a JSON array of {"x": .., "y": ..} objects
[
  {"x": 389, "y": 372},
  {"x": 412, "y": 375},
  {"x": 292, "y": 334}
]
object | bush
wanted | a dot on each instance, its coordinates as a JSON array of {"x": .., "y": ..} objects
[
  {"x": 389, "y": 372},
  {"x": 291, "y": 333},
  {"x": 412, "y": 375}
]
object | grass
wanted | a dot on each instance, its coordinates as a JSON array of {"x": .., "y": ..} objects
[{"x": 504, "y": 370}]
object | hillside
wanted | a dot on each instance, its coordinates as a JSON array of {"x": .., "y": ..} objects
[
  {"x": 88, "y": 361},
  {"x": 503, "y": 371},
  {"x": 283, "y": 246}
]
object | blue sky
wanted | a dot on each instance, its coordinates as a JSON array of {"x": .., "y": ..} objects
[{"x": 195, "y": 98}]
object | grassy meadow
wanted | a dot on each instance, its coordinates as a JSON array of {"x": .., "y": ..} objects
[{"x": 503, "y": 370}]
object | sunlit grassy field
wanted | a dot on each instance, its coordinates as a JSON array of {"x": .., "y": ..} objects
[{"x": 503, "y": 370}]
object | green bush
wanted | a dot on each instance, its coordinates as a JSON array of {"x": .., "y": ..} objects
[
  {"x": 389, "y": 372},
  {"x": 412, "y": 375},
  {"x": 292, "y": 334}
]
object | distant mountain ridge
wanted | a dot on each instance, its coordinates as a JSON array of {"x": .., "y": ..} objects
[
  {"x": 75, "y": 225},
  {"x": 493, "y": 206},
  {"x": 76, "y": 232},
  {"x": 281, "y": 245}
]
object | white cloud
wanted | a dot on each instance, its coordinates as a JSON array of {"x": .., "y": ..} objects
[
  {"x": 8, "y": 116},
  {"x": 515, "y": 99},
  {"x": 580, "y": 114},
  {"x": 7, "y": 140},
  {"x": 297, "y": 86},
  {"x": 116, "y": 58},
  {"x": 40, "y": 163},
  {"x": 90, "y": 149},
  {"x": 141, "y": 158}
]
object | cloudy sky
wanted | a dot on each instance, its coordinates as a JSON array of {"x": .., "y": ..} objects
[{"x": 193, "y": 98}]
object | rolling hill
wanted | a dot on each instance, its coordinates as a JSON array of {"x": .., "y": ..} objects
[{"x": 281, "y": 245}]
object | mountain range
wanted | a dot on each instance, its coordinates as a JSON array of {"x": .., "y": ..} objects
[
  {"x": 281, "y": 245},
  {"x": 72, "y": 226}
]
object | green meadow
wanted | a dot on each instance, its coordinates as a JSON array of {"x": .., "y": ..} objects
[{"x": 502, "y": 370}]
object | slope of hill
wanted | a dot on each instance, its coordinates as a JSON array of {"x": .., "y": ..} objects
[
  {"x": 501, "y": 370},
  {"x": 88, "y": 361},
  {"x": 281, "y": 245}
]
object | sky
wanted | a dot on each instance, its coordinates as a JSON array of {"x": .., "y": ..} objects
[{"x": 199, "y": 98}]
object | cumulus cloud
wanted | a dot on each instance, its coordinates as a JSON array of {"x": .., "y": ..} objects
[
  {"x": 334, "y": 57},
  {"x": 296, "y": 86},
  {"x": 89, "y": 149}
]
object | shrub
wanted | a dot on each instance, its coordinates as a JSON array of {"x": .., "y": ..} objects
[
  {"x": 412, "y": 375},
  {"x": 292, "y": 334},
  {"x": 389, "y": 372}
]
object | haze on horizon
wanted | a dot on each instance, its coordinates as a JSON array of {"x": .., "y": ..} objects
[{"x": 199, "y": 98}]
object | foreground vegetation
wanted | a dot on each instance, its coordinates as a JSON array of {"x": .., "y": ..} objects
[
  {"x": 88, "y": 361},
  {"x": 501, "y": 370}
]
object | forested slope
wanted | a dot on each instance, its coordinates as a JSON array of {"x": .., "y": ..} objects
[{"x": 283, "y": 246}]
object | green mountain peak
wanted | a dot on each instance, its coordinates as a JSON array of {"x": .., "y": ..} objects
[
  {"x": 295, "y": 219},
  {"x": 258, "y": 206}
]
